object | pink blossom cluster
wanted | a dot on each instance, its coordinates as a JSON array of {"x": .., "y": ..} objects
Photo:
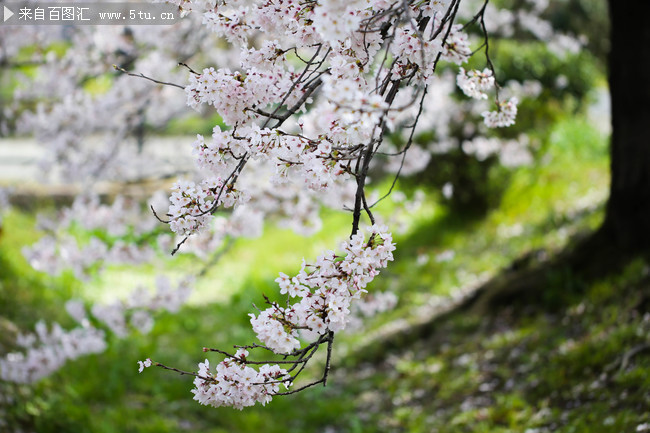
[
  {"x": 375, "y": 303},
  {"x": 326, "y": 290},
  {"x": 234, "y": 93},
  {"x": 504, "y": 115},
  {"x": 435, "y": 8},
  {"x": 306, "y": 22},
  {"x": 53, "y": 255},
  {"x": 456, "y": 48},
  {"x": 511, "y": 153},
  {"x": 237, "y": 384},
  {"x": 416, "y": 48},
  {"x": 137, "y": 309},
  {"x": 474, "y": 83},
  {"x": 294, "y": 156},
  {"x": 116, "y": 218},
  {"x": 355, "y": 111},
  {"x": 412, "y": 51},
  {"x": 86, "y": 138},
  {"x": 335, "y": 20},
  {"x": 46, "y": 351},
  {"x": 340, "y": 47},
  {"x": 191, "y": 204},
  {"x": 228, "y": 23},
  {"x": 506, "y": 21},
  {"x": 369, "y": 306},
  {"x": 59, "y": 250}
]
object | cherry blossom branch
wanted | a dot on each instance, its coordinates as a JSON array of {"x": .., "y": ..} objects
[
  {"x": 354, "y": 117},
  {"x": 140, "y": 75},
  {"x": 479, "y": 15},
  {"x": 188, "y": 68},
  {"x": 487, "y": 51},
  {"x": 404, "y": 150},
  {"x": 181, "y": 372}
]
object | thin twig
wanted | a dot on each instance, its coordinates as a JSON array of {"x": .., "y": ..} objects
[
  {"x": 140, "y": 75},
  {"x": 182, "y": 372}
]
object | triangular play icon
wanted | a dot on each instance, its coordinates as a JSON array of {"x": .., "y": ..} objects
[{"x": 8, "y": 13}]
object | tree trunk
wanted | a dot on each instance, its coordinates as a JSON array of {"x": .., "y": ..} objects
[{"x": 627, "y": 221}]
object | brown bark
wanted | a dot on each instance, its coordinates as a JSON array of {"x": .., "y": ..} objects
[{"x": 627, "y": 222}]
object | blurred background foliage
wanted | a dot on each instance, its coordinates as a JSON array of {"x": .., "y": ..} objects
[{"x": 553, "y": 365}]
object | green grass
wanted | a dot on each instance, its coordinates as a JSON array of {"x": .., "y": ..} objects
[
  {"x": 546, "y": 368},
  {"x": 554, "y": 366}
]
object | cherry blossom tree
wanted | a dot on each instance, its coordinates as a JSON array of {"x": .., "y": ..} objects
[
  {"x": 364, "y": 69},
  {"x": 313, "y": 96}
]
